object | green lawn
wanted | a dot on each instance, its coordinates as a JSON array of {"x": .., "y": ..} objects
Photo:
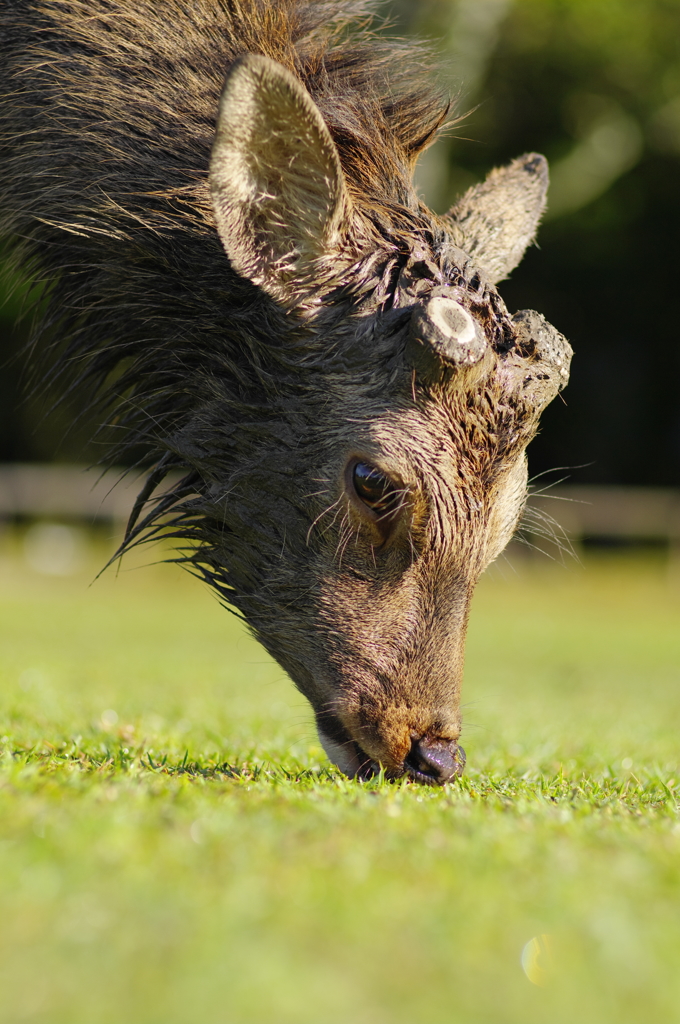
[{"x": 175, "y": 850}]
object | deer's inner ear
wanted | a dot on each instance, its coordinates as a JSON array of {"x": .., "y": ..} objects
[{"x": 277, "y": 186}]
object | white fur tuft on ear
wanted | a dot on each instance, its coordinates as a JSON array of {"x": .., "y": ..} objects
[
  {"x": 496, "y": 221},
  {"x": 277, "y": 187}
]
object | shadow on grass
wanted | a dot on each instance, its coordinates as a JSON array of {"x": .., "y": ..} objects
[{"x": 113, "y": 759}]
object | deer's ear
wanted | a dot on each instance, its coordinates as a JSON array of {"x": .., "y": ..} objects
[
  {"x": 495, "y": 222},
  {"x": 278, "y": 192}
]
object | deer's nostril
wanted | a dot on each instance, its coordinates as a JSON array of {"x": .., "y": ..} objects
[{"x": 434, "y": 761}]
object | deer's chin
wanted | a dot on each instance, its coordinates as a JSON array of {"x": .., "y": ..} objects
[{"x": 348, "y": 757}]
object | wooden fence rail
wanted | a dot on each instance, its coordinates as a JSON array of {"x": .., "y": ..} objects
[
  {"x": 55, "y": 491},
  {"x": 640, "y": 514}
]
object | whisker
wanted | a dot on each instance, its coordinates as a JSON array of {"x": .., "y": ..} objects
[
  {"x": 559, "y": 469},
  {"x": 320, "y": 517}
]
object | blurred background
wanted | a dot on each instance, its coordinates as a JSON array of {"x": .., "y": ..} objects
[
  {"x": 132, "y": 892},
  {"x": 595, "y": 86}
]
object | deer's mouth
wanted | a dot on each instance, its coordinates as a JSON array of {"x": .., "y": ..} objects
[
  {"x": 346, "y": 753},
  {"x": 429, "y": 762}
]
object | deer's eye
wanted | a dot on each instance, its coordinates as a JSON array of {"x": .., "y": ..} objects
[{"x": 375, "y": 489}]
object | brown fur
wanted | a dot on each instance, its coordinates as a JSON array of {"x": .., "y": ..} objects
[{"x": 236, "y": 268}]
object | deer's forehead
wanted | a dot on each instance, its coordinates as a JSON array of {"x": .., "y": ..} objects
[{"x": 442, "y": 430}]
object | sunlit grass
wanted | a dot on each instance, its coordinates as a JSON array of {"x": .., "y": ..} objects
[{"x": 175, "y": 848}]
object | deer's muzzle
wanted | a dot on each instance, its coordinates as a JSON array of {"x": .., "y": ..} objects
[
  {"x": 434, "y": 762},
  {"x": 430, "y": 760}
]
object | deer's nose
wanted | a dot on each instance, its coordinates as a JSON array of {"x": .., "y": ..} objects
[{"x": 434, "y": 761}]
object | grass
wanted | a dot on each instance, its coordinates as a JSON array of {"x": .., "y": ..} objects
[{"x": 175, "y": 850}]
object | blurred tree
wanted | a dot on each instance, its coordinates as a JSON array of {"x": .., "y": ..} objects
[{"x": 595, "y": 85}]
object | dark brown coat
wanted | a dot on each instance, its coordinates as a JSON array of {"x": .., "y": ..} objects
[{"x": 219, "y": 195}]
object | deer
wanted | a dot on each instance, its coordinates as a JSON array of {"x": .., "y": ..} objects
[{"x": 332, "y": 401}]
